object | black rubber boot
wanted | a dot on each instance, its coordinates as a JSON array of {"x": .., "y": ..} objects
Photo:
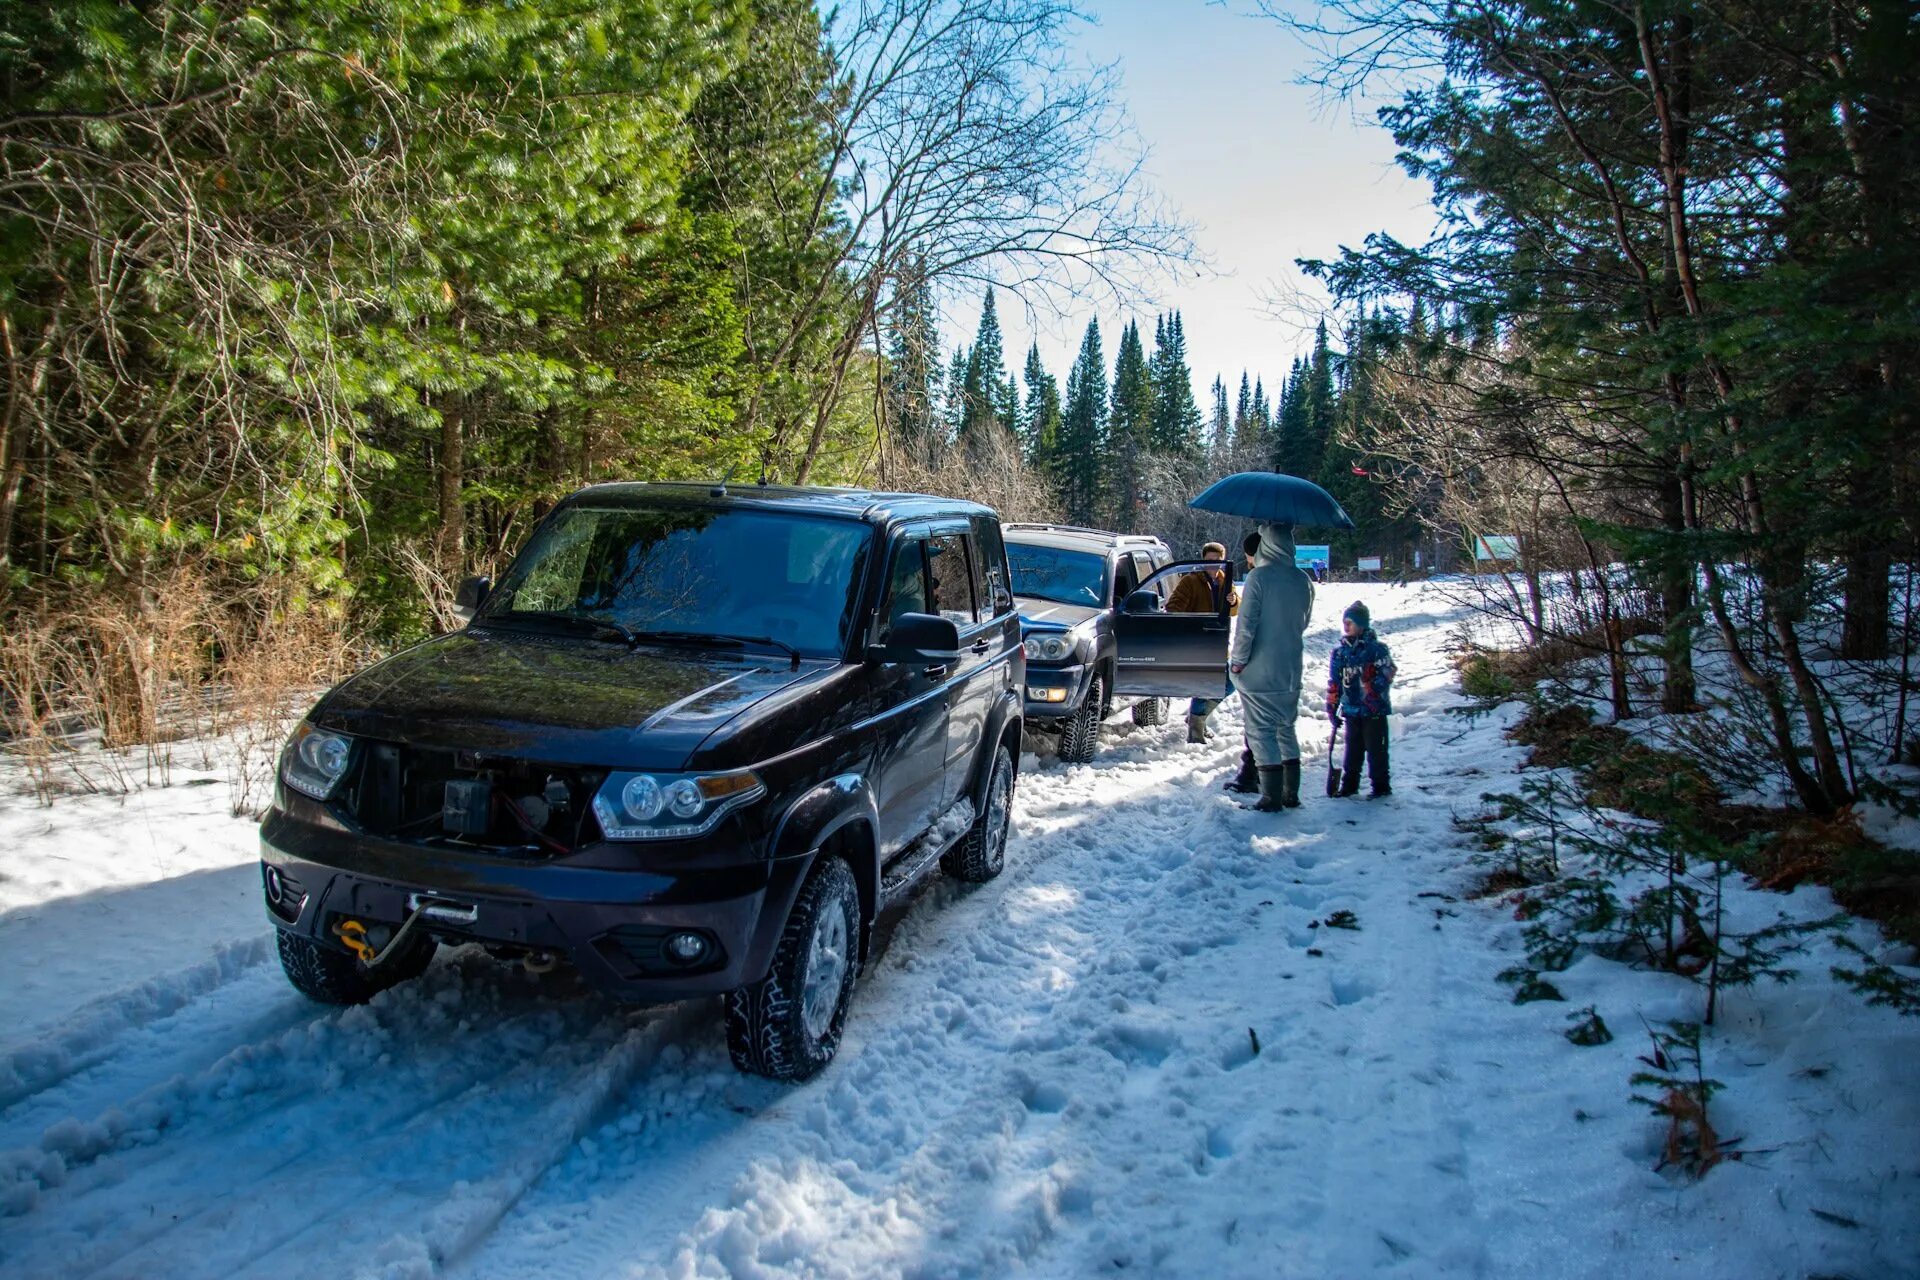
[
  {"x": 1270, "y": 784},
  {"x": 1247, "y": 781},
  {"x": 1290, "y": 783},
  {"x": 1197, "y": 729}
]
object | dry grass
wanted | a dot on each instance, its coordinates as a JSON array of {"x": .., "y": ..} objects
[{"x": 96, "y": 698}]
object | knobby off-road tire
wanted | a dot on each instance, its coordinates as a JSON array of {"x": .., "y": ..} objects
[
  {"x": 982, "y": 852},
  {"x": 1150, "y": 713},
  {"x": 321, "y": 973},
  {"x": 1080, "y": 736},
  {"x": 787, "y": 1026}
]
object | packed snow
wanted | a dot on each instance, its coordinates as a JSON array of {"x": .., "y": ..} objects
[{"x": 1143, "y": 1050}]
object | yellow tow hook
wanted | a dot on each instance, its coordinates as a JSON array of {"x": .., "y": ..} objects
[{"x": 354, "y": 935}]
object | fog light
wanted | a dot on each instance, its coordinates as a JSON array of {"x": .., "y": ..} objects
[
  {"x": 685, "y": 948},
  {"x": 1036, "y": 693},
  {"x": 276, "y": 890}
]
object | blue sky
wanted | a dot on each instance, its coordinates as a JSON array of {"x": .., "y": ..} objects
[{"x": 1267, "y": 170}]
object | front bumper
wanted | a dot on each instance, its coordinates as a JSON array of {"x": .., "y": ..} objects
[
  {"x": 1055, "y": 692},
  {"x": 608, "y": 922}
]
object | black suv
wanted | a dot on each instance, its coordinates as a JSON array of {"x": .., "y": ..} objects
[
  {"x": 1097, "y": 633},
  {"x": 693, "y": 742}
]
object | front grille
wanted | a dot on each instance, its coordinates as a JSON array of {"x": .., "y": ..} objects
[{"x": 524, "y": 806}]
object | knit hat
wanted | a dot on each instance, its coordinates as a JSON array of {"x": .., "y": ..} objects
[
  {"x": 1357, "y": 612},
  {"x": 1251, "y": 544}
]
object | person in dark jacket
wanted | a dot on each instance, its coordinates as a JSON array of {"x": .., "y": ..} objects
[{"x": 1358, "y": 679}]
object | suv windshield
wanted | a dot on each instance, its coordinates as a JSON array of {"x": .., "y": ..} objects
[
  {"x": 691, "y": 574},
  {"x": 1066, "y": 577}
]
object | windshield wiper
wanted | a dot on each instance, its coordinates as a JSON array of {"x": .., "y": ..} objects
[
  {"x": 708, "y": 637},
  {"x": 599, "y": 628}
]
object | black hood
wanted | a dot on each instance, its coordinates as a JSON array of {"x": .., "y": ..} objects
[
  {"x": 558, "y": 699},
  {"x": 1053, "y": 613}
]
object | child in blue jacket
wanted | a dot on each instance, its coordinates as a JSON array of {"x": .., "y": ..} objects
[{"x": 1357, "y": 682}]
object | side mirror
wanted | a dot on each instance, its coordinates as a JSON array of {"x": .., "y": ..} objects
[
  {"x": 470, "y": 596},
  {"x": 919, "y": 637},
  {"x": 1145, "y": 600}
]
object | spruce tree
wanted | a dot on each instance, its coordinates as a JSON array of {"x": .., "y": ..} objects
[
  {"x": 1176, "y": 418},
  {"x": 913, "y": 364},
  {"x": 986, "y": 403},
  {"x": 1243, "y": 413},
  {"x": 1082, "y": 433},
  {"x": 1220, "y": 430},
  {"x": 1129, "y": 428},
  {"x": 1040, "y": 418}
]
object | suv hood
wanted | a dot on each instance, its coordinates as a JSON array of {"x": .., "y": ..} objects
[
  {"x": 1052, "y": 613},
  {"x": 560, "y": 700}
]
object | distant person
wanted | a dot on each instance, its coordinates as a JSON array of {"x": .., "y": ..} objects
[
  {"x": 1358, "y": 679},
  {"x": 1196, "y": 593},
  {"x": 1268, "y": 663},
  {"x": 1247, "y": 781}
]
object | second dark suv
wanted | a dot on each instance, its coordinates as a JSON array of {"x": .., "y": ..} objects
[
  {"x": 1098, "y": 636},
  {"x": 692, "y": 743}
]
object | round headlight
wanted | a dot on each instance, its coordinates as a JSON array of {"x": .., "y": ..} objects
[
  {"x": 324, "y": 753},
  {"x": 684, "y": 798},
  {"x": 642, "y": 798}
]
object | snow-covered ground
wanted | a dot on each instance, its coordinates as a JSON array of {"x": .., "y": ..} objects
[{"x": 1141, "y": 1051}]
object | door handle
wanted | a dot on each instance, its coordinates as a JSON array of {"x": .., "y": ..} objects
[{"x": 936, "y": 671}]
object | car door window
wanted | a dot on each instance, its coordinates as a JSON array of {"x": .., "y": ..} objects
[
  {"x": 950, "y": 578},
  {"x": 991, "y": 589},
  {"x": 1143, "y": 569},
  {"x": 907, "y": 582},
  {"x": 1124, "y": 579}
]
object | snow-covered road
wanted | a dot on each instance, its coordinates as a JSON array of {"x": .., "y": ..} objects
[{"x": 1141, "y": 1051}]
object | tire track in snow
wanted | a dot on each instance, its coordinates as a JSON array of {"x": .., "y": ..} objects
[
  {"x": 90, "y": 1035},
  {"x": 395, "y": 1134}
]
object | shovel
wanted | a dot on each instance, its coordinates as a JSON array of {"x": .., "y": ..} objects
[{"x": 1333, "y": 770}]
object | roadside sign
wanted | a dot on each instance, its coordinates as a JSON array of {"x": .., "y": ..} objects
[
  {"x": 1312, "y": 557},
  {"x": 1496, "y": 546},
  {"x": 1369, "y": 564}
]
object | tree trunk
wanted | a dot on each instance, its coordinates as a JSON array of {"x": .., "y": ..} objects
[
  {"x": 450, "y": 474},
  {"x": 1678, "y": 693},
  {"x": 1865, "y": 612}
]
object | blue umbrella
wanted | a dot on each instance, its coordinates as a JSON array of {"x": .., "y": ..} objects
[{"x": 1273, "y": 498}]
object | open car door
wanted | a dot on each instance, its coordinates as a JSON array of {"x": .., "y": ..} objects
[{"x": 1162, "y": 654}]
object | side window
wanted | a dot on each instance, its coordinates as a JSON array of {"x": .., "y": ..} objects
[
  {"x": 1124, "y": 580},
  {"x": 907, "y": 581},
  {"x": 991, "y": 588},
  {"x": 950, "y": 577},
  {"x": 1143, "y": 568}
]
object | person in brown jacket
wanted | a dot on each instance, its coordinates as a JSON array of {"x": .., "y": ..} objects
[{"x": 1194, "y": 593}]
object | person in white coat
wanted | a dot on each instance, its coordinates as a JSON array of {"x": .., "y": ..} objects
[{"x": 1268, "y": 664}]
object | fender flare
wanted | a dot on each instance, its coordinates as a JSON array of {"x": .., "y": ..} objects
[
  {"x": 823, "y": 812},
  {"x": 1005, "y": 711}
]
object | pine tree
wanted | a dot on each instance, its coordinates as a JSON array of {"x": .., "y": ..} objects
[
  {"x": 1243, "y": 413},
  {"x": 913, "y": 364},
  {"x": 1317, "y": 408},
  {"x": 1082, "y": 434},
  {"x": 985, "y": 381},
  {"x": 1220, "y": 430},
  {"x": 1040, "y": 417},
  {"x": 1129, "y": 428},
  {"x": 1175, "y": 417},
  {"x": 954, "y": 416}
]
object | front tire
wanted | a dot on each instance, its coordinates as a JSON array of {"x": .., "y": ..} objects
[
  {"x": 1150, "y": 713},
  {"x": 982, "y": 852},
  {"x": 787, "y": 1025},
  {"x": 1080, "y": 736},
  {"x": 321, "y": 973}
]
